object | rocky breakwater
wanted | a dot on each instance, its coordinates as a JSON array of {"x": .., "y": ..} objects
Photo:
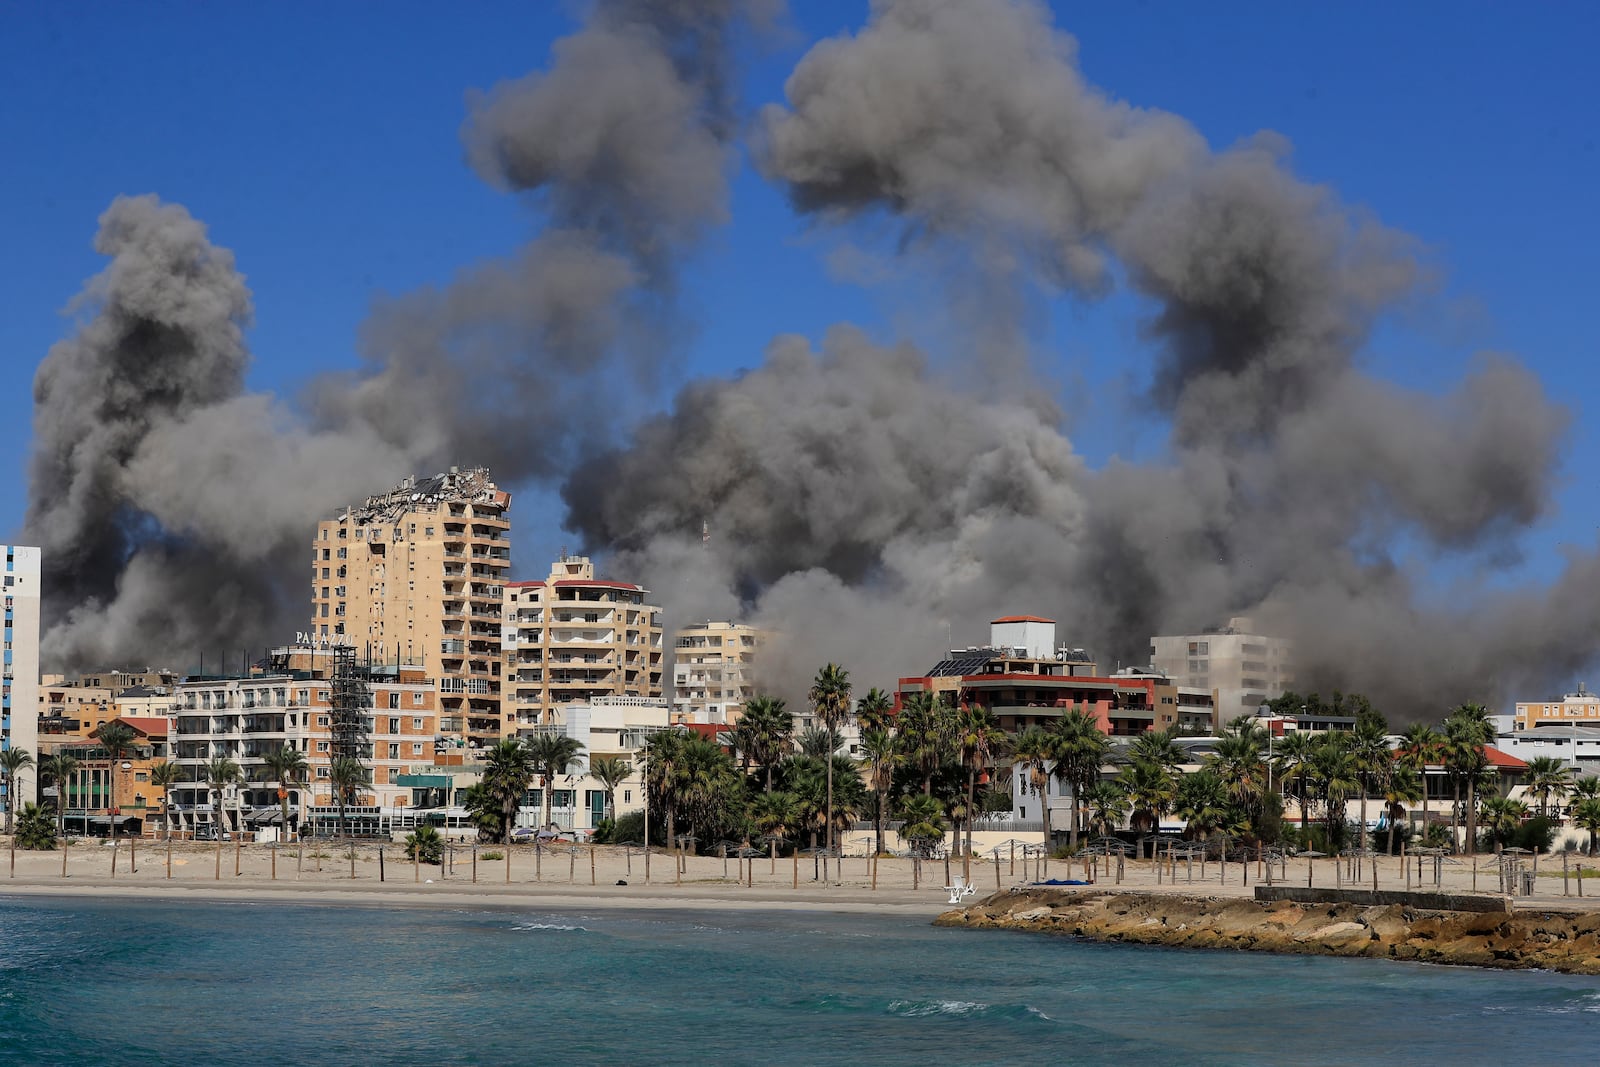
[{"x": 1557, "y": 941}]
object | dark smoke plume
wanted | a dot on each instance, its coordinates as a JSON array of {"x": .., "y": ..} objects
[
  {"x": 859, "y": 503},
  {"x": 856, "y": 498},
  {"x": 173, "y": 507}
]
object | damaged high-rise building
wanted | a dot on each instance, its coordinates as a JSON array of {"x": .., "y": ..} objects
[{"x": 417, "y": 575}]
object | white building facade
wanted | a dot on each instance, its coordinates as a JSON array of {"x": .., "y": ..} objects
[
  {"x": 1240, "y": 667},
  {"x": 19, "y": 681}
]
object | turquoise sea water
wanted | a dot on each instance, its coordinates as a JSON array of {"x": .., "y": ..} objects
[{"x": 115, "y": 982}]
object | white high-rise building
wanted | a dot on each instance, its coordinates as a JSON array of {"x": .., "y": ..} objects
[
  {"x": 19, "y": 686},
  {"x": 1240, "y": 667}
]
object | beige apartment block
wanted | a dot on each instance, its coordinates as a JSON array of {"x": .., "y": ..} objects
[
  {"x": 416, "y": 576},
  {"x": 573, "y": 638},
  {"x": 714, "y": 671}
]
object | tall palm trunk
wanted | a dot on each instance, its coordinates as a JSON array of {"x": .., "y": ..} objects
[
  {"x": 1455, "y": 813},
  {"x": 1472, "y": 815},
  {"x": 1044, "y": 810},
  {"x": 1361, "y": 834},
  {"x": 1424, "y": 801},
  {"x": 972, "y": 788},
  {"x": 1075, "y": 816},
  {"x": 830, "y": 797},
  {"x": 878, "y": 821}
]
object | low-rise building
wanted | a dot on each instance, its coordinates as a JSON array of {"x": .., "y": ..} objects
[
  {"x": 1034, "y": 682},
  {"x": 612, "y": 726},
  {"x": 104, "y": 791}
]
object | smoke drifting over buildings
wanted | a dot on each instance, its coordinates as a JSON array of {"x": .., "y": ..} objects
[{"x": 858, "y": 501}]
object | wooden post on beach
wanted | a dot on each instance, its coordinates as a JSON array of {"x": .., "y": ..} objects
[
  {"x": 113, "y": 853},
  {"x": 1374, "y": 873},
  {"x": 591, "y": 864},
  {"x": 1013, "y": 857},
  {"x": 352, "y": 861},
  {"x": 724, "y": 850},
  {"x": 274, "y": 861},
  {"x": 299, "y": 859},
  {"x": 875, "y": 870},
  {"x": 796, "y": 857},
  {"x": 238, "y": 853},
  {"x": 996, "y": 874},
  {"x": 169, "y": 853},
  {"x": 572, "y": 864},
  {"x": 64, "y": 860},
  {"x": 508, "y": 859},
  {"x": 538, "y": 861},
  {"x": 133, "y": 854},
  {"x": 1564, "y": 886},
  {"x": 474, "y": 863},
  {"x": 217, "y": 877}
]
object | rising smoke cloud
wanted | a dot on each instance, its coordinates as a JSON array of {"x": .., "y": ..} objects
[
  {"x": 857, "y": 499},
  {"x": 173, "y": 505}
]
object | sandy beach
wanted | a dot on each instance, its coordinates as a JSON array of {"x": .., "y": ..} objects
[{"x": 330, "y": 872}]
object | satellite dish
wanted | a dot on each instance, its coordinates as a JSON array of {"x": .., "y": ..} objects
[{"x": 415, "y": 497}]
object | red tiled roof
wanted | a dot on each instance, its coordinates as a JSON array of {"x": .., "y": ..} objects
[
  {"x": 1023, "y": 618},
  {"x": 587, "y": 584},
  {"x": 522, "y": 585},
  {"x": 150, "y": 727},
  {"x": 1503, "y": 760}
]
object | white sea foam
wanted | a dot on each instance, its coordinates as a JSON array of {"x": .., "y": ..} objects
[
  {"x": 913, "y": 1009},
  {"x": 548, "y": 926}
]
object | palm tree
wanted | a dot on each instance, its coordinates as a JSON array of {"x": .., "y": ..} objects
[
  {"x": 1158, "y": 747},
  {"x": 610, "y": 772},
  {"x": 1369, "y": 749},
  {"x": 12, "y": 761},
  {"x": 35, "y": 829},
  {"x": 1404, "y": 786},
  {"x": 1334, "y": 772},
  {"x": 220, "y": 773},
  {"x": 507, "y": 773},
  {"x": 980, "y": 738},
  {"x": 1503, "y": 815},
  {"x": 1421, "y": 749},
  {"x": 873, "y": 710},
  {"x": 164, "y": 775},
  {"x": 777, "y": 815},
  {"x": 770, "y": 728},
  {"x": 1585, "y": 788},
  {"x": 1586, "y": 815},
  {"x": 1467, "y": 731},
  {"x": 1547, "y": 778},
  {"x": 924, "y": 822},
  {"x": 817, "y": 742},
  {"x": 830, "y": 700},
  {"x": 1081, "y": 753},
  {"x": 1204, "y": 801},
  {"x": 60, "y": 768},
  {"x": 880, "y": 755},
  {"x": 287, "y": 765},
  {"x": 1293, "y": 757},
  {"x": 1107, "y": 805},
  {"x": 346, "y": 775},
  {"x": 926, "y": 730},
  {"x": 117, "y": 740},
  {"x": 551, "y": 755},
  {"x": 1238, "y": 764},
  {"x": 1151, "y": 790},
  {"x": 1035, "y": 749}
]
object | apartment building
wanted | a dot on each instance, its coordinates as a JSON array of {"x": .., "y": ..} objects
[
  {"x": 19, "y": 676},
  {"x": 714, "y": 671},
  {"x": 71, "y": 709},
  {"x": 416, "y": 576},
  {"x": 1239, "y": 666},
  {"x": 572, "y": 638},
  {"x": 244, "y": 718}
]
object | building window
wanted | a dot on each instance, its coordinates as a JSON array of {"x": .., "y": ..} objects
[
  {"x": 394, "y": 726},
  {"x": 394, "y": 702},
  {"x": 416, "y": 723},
  {"x": 416, "y": 748},
  {"x": 394, "y": 751},
  {"x": 416, "y": 701},
  {"x": 322, "y": 746}
]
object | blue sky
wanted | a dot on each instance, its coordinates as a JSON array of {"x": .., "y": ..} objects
[{"x": 319, "y": 143}]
